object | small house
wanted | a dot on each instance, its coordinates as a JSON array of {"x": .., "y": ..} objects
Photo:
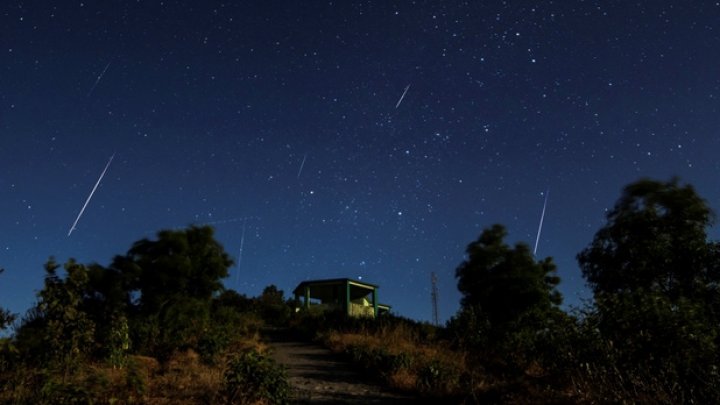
[{"x": 355, "y": 298}]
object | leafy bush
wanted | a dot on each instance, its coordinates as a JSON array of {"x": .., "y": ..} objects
[
  {"x": 438, "y": 377},
  {"x": 228, "y": 326},
  {"x": 653, "y": 328},
  {"x": 55, "y": 392},
  {"x": 648, "y": 350},
  {"x": 118, "y": 341},
  {"x": 134, "y": 381},
  {"x": 8, "y": 355},
  {"x": 251, "y": 377},
  {"x": 57, "y": 333}
]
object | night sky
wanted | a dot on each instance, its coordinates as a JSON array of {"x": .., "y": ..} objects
[{"x": 278, "y": 123}]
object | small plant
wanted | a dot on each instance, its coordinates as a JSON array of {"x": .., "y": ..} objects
[
  {"x": 134, "y": 380},
  {"x": 119, "y": 341},
  {"x": 437, "y": 377},
  {"x": 56, "y": 392},
  {"x": 251, "y": 377}
]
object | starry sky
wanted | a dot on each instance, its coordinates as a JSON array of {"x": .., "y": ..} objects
[{"x": 371, "y": 140}]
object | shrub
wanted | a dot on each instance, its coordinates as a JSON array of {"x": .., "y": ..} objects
[
  {"x": 134, "y": 381},
  {"x": 8, "y": 355},
  {"x": 55, "y": 392},
  {"x": 251, "y": 377},
  {"x": 438, "y": 378},
  {"x": 228, "y": 327},
  {"x": 118, "y": 341}
]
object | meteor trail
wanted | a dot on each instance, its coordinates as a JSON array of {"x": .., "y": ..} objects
[
  {"x": 301, "y": 166},
  {"x": 224, "y": 221},
  {"x": 542, "y": 217},
  {"x": 403, "y": 96},
  {"x": 98, "y": 79},
  {"x": 242, "y": 242},
  {"x": 72, "y": 228}
]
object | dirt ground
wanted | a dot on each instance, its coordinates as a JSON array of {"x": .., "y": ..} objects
[{"x": 319, "y": 376}]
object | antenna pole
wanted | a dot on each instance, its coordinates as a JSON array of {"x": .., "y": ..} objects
[{"x": 434, "y": 296}]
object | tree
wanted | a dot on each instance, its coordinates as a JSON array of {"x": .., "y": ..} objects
[
  {"x": 232, "y": 319},
  {"x": 271, "y": 295},
  {"x": 234, "y": 300},
  {"x": 655, "y": 240},
  {"x": 8, "y": 351},
  {"x": 6, "y": 317},
  {"x": 272, "y": 306},
  {"x": 173, "y": 280},
  {"x": 58, "y": 332},
  {"x": 655, "y": 279},
  {"x": 178, "y": 265},
  {"x": 504, "y": 287}
]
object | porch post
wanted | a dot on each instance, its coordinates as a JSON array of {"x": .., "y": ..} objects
[
  {"x": 375, "y": 301},
  {"x": 347, "y": 297}
]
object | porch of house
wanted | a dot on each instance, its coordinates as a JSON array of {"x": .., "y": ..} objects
[{"x": 353, "y": 297}]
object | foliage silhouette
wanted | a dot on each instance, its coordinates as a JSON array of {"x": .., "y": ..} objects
[
  {"x": 272, "y": 306},
  {"x": 502, "y": 285},
  {"x": 6, "y": 317},
  {"x": 252, "y": 377},
  {"x": 59, "y": 333},
  {"x": 188, "y": 263},
  {"x": 509, "y": 315},
  {"x": 173, "y": 280},
  {"x": 655, "y": 279},
  {"x": 655, "y": 239}
]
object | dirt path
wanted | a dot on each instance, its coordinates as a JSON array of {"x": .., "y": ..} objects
[{"x": 318, "y": 376}]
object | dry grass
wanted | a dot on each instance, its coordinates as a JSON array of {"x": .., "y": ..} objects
[
  {"x": 411, "y": 358},
  {"x": 186, "y": 380},
  {"x": 403, "y": 379},
  {"x": 183, "y": 379}
]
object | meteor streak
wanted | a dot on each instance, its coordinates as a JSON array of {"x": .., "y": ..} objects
[
  {"x": 72, "y": 228},
  {"x": 542, "y": 217},
  {"x": 224, "y": 221},
  {"x": 242, "y": 242},
  {"x": 301, "y": 166},
  {"x": 98, "y": 79},
  {"x": 403, "y": 96}
]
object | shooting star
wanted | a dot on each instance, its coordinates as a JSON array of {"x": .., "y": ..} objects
[
  {"x": 242, "y": 242},
  {"x": 542, "y": 217},
  {"x": 301, "y": 166},
  {"x": 403, "y": 96},
  {"x": 223, "y": 221},
  {"x": 72, "y": 228},
  {"x": 98, "y": 79}
]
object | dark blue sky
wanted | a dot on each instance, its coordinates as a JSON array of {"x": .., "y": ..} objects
[{"x": 280, "y": 117}]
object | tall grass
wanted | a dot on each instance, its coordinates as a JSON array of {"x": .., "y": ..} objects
[
  {"x": 186, "y": 377},
  {"x": 404, "y": 354}
]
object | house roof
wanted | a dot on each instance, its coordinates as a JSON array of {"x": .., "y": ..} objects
[{"x": 332, "y": 281}]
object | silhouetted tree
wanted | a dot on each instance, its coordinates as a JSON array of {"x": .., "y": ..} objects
[
  {"x": 232, "y": 318},
  {"x": 271, "y": 295},
  {"x": 58, "y": 332},
  {"x": 233, "y": 300},
  {"x": 656, "y": 280},
  {"x": 501, "y": 285},
  {"x": 173, "y": 280},
  {"x": 107, "y": 301},
  {"x": 509, "y": 309},
  {"x": 272, "y": 306},
  {"x": 6, "y": 317},
  {"x": 179, "y": 264},
  {"x": 655, "y": 240}
]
